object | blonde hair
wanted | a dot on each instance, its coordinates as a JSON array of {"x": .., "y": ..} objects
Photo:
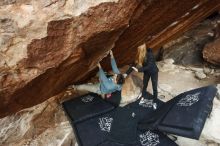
[{"x": 141, "y": 51}]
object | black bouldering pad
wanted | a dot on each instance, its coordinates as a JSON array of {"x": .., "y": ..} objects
[
  {"x": 125, "y": 119},
  {"x": 92, "y": 119},
  {"x": 97, "y": 132},
  {"x": 94, "y": 131},
  {"x": 184, "y": 115},
  {"x": 85, "y": 107}
]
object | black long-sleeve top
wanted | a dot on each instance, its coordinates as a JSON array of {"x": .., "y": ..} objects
[{"x": 149, "y": 64}]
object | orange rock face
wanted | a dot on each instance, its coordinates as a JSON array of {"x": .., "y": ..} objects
[
  {"x": 73, "y": 46},
  {"x": 211, "y": 52}
]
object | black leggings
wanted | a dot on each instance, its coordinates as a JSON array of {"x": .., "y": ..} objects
[{"x": 154, "y": 80}]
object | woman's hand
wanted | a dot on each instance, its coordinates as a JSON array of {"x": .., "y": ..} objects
[
  {"x": 124, "y": 75},
  {"x": 134, "y": 68}
]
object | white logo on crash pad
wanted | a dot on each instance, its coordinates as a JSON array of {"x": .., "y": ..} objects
[
  {"x": 149, "y": 139},
  {"x": 147, "y": 103},
  {"x": 87, "y": 98},
  {"x": 189, "y": 99},
  {"x": 105, "y": 123}
]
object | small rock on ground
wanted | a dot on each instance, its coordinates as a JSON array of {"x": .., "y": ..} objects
[{"x": 200, "y": 75}]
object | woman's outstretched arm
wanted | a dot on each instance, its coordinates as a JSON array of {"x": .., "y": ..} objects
[{"x": 142, "y": 69}]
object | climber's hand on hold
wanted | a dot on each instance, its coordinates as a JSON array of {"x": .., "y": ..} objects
[
  {"x": 111, "y": 53},
  {"x": 99, "y": 66}
]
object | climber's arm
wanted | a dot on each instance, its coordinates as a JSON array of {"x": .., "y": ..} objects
[{"x": 113, "y": 64}]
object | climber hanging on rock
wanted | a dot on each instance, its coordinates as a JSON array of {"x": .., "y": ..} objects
[
  {"x": 106, "y": 85},
  {"x": 150, "y": 70}
]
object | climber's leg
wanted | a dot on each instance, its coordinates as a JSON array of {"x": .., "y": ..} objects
[{"x": 94, "y": 88}]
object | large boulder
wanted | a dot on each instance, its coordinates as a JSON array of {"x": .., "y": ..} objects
[
  {"x": 47, "y": 45},
  {"x": 131, "y": 89},
  {"x": 52, "y": 50}
]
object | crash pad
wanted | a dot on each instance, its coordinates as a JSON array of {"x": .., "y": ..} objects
[
  {"x": 85, "y": 107},
  {"x": 97, "y": 132},
  {"x": 99, "y": 127},
  {"x": 184, "y": 115}
]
